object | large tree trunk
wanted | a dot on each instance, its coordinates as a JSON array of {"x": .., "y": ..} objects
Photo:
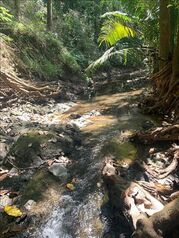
[
  {"x": 165, "y": 38},
  {"x": 176, "y": 58},
  {"x": 174, "y": 82},
  {"x": 49, "y": 15},
  {"x": 166, "y": 81},
  {"x": 17, "y": 9}
]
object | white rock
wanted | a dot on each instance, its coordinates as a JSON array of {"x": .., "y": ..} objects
[
  {"x": 29, "y": 204},
  {"x": 59, "y": 171}
]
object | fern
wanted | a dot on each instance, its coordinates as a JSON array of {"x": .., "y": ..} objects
[{"x": 5, "y": 16}]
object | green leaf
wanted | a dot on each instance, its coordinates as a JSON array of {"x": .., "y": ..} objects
[{"x": 112, "y": 31}]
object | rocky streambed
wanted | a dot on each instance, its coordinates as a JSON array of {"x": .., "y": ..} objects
[{"x": 52, "y": 156}]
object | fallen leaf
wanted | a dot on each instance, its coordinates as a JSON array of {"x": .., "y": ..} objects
[
  {"x": 12, "y": 211},
  {"x": 70, "y": 186}
]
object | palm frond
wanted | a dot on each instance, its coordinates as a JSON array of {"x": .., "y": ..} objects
[
  {"x": 113, "y": 30},
  {"x": 118, "y": 15},
  {"x": 100, "y": 61},
  {"x": 121, "y": 53}
]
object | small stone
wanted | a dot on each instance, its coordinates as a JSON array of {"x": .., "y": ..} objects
[
  {"x": 59, "y": 171},
  {"x": 152, "y": 150},
  {"x": 98, "y": 185},
  {"x": 4, "y": 148},
  {"x": 4, "y": 201},
  {"x": 13, "y": 172},
  {"x": 29, "y": 204}
]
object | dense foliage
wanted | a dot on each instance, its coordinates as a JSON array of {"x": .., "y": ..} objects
[{"x": 57, "y": 35}]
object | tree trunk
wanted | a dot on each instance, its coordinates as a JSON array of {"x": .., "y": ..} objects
[
  {"x": 17, "y": 9},
  {"x": 49, "y": 15},
  {"x": 164, "y": 22},
  {"x": 176, "y": 58}
]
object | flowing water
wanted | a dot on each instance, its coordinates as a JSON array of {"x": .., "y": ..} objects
[{"x": 106, "y": 121}]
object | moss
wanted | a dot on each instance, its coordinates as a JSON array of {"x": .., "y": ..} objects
[
  {"x": 36, "y": 187},
  {"x": 105, "y": 199},
  {"x": 27, "y": 148},
  {"x": 123, "y": 152}
]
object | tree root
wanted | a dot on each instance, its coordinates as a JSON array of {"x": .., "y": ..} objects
[
  {"x": 166, "y": 88},
  {"x": 15, "y": 83},
  {"x": 141, "y": 202},
  {"x": 159, "y": 223},
  {"x": 168, "y": 133},
  {"x": 162, "y": 173}
]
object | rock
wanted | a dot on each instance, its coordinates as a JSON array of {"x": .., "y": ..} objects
[
  {"x": 4, "y": 149},
  {"x": 59, "y": 171},
  {"x": 29, "y": 204},
  {"x": 26, "y": 150},
  {"x": 152, "y": 150},
  {"x": 4, "y": 201},
  {"x": 75, "y": 116},
  {"x": 13, "y": 172}
]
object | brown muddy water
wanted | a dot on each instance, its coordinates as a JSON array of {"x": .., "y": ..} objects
[{"x": 106, "y": 121}]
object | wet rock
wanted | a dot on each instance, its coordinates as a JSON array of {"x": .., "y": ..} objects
[
  {"x": 59, "y": 171},
  {"x": 66, "y": 144},
  {"x": 26, "y": 150},
  {"x": 37, "y": 186}
]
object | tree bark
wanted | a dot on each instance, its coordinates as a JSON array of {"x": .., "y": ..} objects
[
  {"x": 165, "y": 38},
  {"x": 17, "y": 9},
  {"x": 49, "y": 15},
  {"x": 176, "y": 58}
]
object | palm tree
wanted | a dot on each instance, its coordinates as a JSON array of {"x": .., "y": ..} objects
[{"x": 116, "y": 26}]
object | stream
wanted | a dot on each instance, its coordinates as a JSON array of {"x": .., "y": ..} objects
[{"x": 105, "y": 121}]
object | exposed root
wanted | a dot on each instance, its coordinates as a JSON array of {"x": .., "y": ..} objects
[
  {"x": 142, "y": 202},
  {"x": 168, "y": 133},
  {"x": 166, "y": 88},
  {"x": 15, "y": 83},
  {"x": 159, "y": 223}
]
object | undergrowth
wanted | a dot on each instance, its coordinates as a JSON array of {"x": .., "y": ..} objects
[{"x": 38, "y": 53}]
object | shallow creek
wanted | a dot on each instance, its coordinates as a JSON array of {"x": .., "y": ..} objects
[{"x": 106, "y": 121}]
